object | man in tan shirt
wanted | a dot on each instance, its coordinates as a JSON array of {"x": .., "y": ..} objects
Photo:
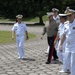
[{"x": 51, "y": 28}]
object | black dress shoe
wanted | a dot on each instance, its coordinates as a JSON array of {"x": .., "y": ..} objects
[{"x": 47, "y": 62}]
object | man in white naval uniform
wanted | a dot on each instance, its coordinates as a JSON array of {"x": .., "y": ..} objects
[
  {"x": 56, "y": 16},
  {"x": 61, "y": 55},
  {"x": 20, "y": 29},
  {"x": 63, "y": 18},
  {"x": 69, "y": 35}
]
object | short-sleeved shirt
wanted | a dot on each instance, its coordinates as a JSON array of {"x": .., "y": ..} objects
[
  {"x": 60, "y": 32},
  {"x": 19, "y": 29},
  {"x": 70, "y": 35},
  {"x": 51, "y": 28}
]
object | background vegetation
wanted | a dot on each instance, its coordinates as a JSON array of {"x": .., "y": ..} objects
[
  {"x": 32, "y": 8},
  {"x": 5, "y": 37}
]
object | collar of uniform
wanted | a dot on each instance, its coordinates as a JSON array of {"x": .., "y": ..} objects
[{"x": 61, "y": 24}]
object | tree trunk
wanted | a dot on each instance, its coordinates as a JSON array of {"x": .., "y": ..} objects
[{"x": 41, "y": 20}]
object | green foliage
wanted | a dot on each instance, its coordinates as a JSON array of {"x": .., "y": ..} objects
[
  {"x": 30, "y": 8},
  {"x": 10, "y": 8},
  {"x": 32, "y": 19}
]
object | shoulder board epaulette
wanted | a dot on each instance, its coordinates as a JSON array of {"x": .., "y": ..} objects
[{"x": 66, "y": 22}]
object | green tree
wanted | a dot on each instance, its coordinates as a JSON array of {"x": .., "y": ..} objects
[
  {"x": 31, "y": 8},
  {"x": 40, "y": 8}
]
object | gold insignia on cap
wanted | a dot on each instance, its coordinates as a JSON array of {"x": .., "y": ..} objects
[{"x": 69, "y": 11}]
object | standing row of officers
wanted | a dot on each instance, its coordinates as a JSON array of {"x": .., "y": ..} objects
[{"x": 60, "y": 29}]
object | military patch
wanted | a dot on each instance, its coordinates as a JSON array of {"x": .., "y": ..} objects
[{"x": 73, "y": 27}]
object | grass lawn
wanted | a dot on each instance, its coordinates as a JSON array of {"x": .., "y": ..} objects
[
  {"x": 35, "y": 19},
  {"x": 5, "y": 37}
]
